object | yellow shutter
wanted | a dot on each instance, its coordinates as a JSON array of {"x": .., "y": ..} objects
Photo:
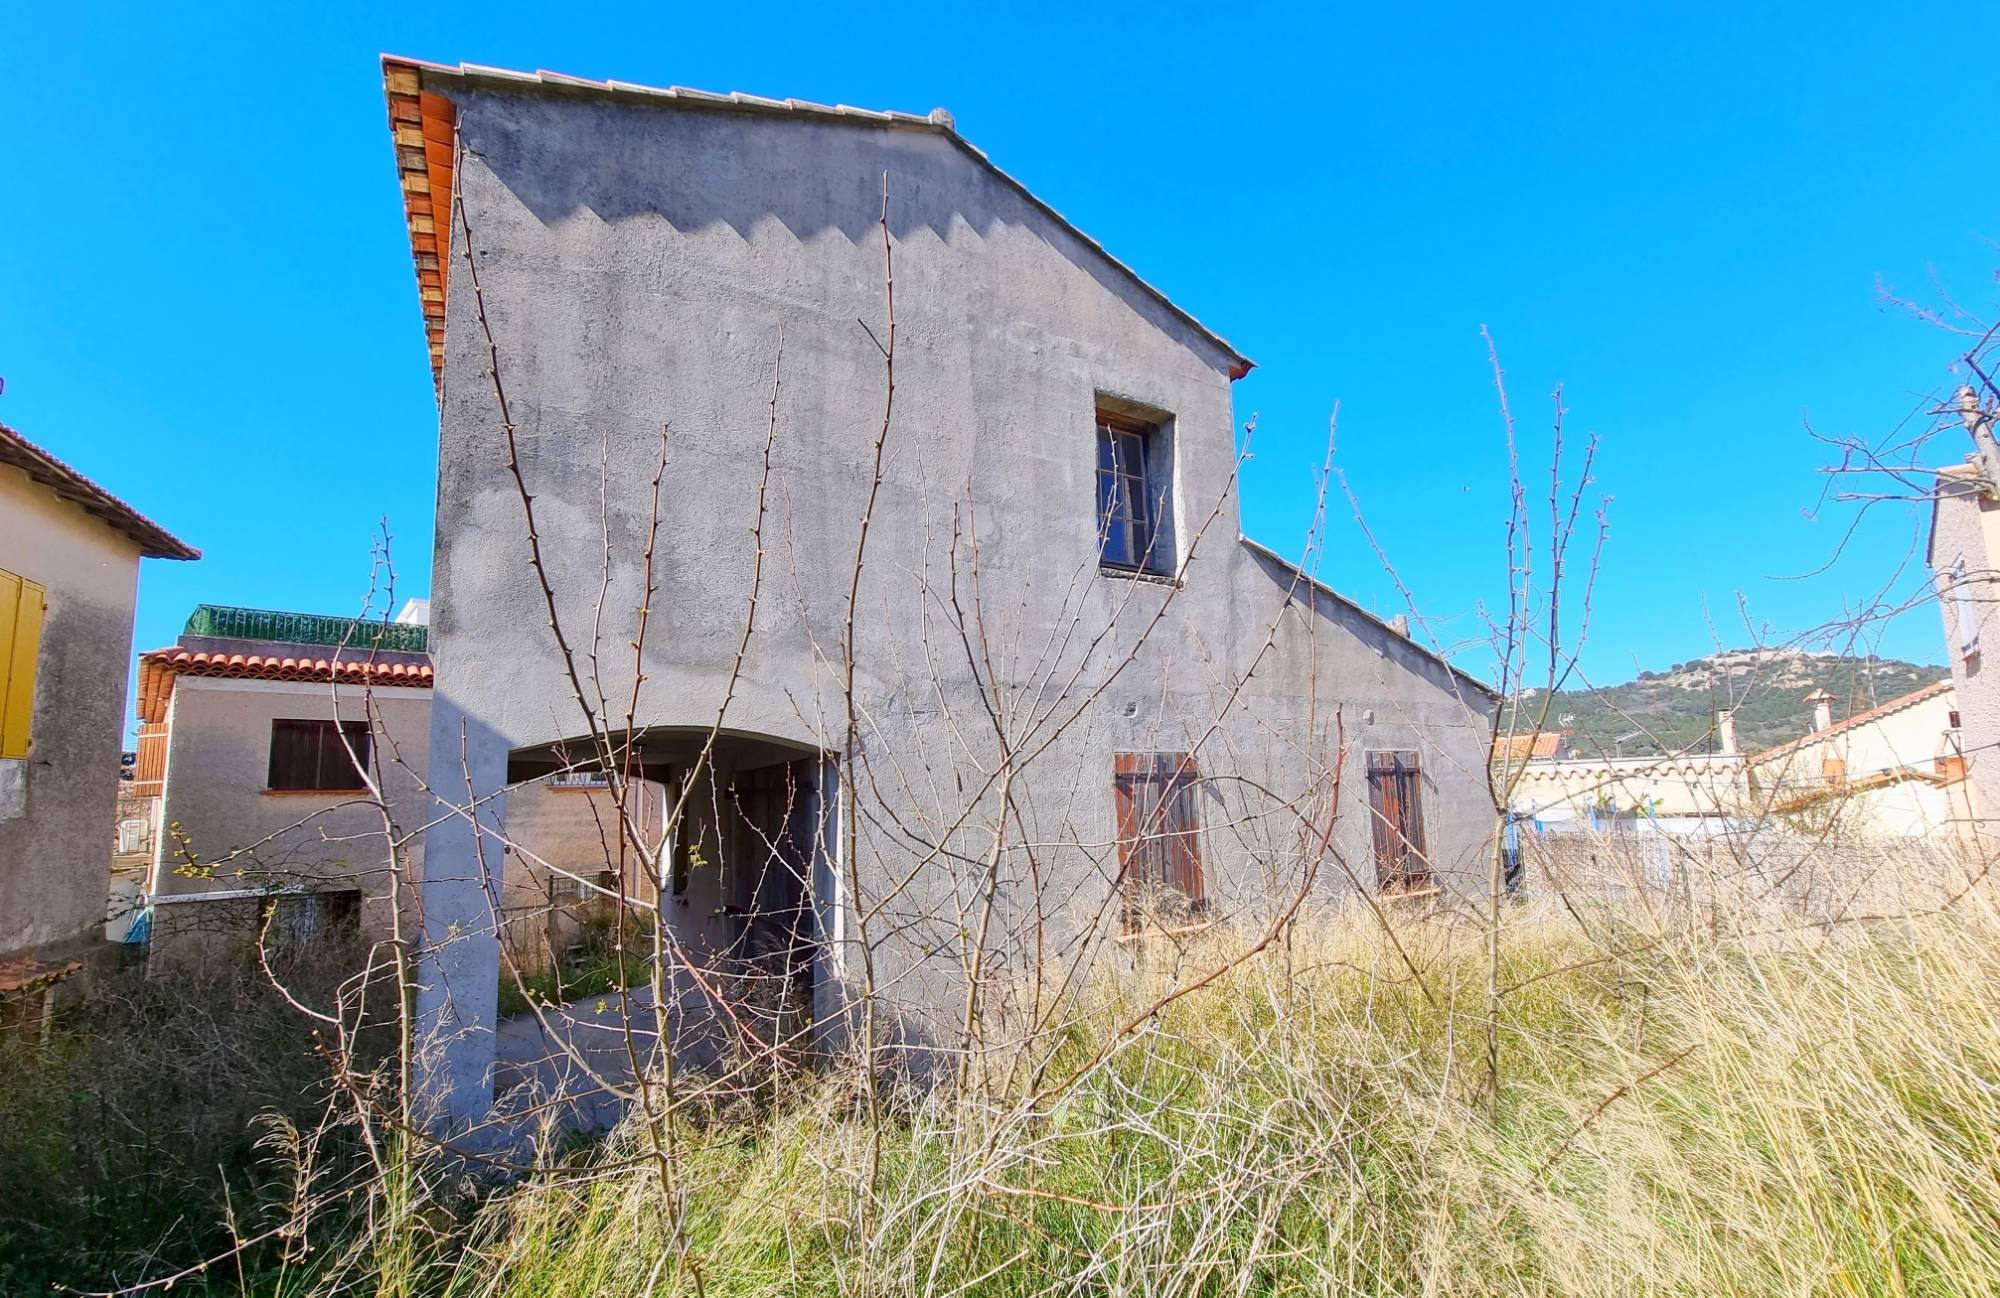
[{"x": 21, "y": 605}]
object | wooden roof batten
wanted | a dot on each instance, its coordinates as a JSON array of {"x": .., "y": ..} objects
[{"x": 425, "y": 128}]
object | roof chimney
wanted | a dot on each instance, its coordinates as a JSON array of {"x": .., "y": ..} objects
[
  {"x": 1400, "y": 624},
  {"x": 1725, "y": 730},
  {"x": 1978, "y": 422},
  {"x": 1822, "y": 708}
]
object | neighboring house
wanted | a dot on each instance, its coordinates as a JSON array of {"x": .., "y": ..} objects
[
  {"x": 1695, "y": 794},
  {"x": 1964, "y": 557},
  {"x": 1893, "y": 771},
  {"x": 258, "y": 797},
  {"x": 1896, "y": 770},
  {"x": 69, "y": 578},
  {"x": 1061, "y": 450}
]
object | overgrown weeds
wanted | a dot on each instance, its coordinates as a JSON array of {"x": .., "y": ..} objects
[
  {"x": 1796, "y": 1110},
  {"x": 1816, "y": 1112},
  {"x": 160, "y": 1121}
]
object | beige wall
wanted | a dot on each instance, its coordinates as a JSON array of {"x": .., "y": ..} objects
[
  {"x": 1910, "y": 737},
  {"x": 222, "y": 830},
  {"x": 1693, "y": 785},
  {"x": 56, "y": 804}
]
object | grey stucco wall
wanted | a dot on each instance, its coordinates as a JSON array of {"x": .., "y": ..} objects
[
  {"x": 56, "y": 805},
  {"x": 638, "y": 267}
]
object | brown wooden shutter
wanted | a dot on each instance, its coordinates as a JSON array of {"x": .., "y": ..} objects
[
  {"x": 1396, "y": 819},
  {"x": 337, "y": 769},
  {"x": 294, "y": 755},
  {"x": 1159, "y": 829}
]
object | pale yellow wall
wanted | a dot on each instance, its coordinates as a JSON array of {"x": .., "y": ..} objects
[
  {"x": 1908, "y": 737},
  {"x": 56, "y": 803}
]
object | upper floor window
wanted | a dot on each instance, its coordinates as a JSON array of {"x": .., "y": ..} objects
[
  {"x": 312, "y": 755},
  {"x": 1134, "y": 494},
  {"x": 1964, "y": 610}
]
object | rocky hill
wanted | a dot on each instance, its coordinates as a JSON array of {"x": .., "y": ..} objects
[{"x": 1676, "y": 707}]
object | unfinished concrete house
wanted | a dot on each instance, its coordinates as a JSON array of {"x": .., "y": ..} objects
[{"x": 950, "y": 682}]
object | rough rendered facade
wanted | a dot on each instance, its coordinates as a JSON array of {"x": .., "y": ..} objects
[
  {"x": 69, "y": 578},
  {"x": 645, "y": 260}
]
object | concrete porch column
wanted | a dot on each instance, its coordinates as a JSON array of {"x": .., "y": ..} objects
[{"x": 458, "y": 971}]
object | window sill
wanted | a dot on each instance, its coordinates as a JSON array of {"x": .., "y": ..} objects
[
  {"x": 312, "y": 793},
  {"x": 1137, "y": 574}
]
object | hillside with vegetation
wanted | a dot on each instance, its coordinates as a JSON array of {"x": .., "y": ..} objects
[{"x": 1674, "y": 710}]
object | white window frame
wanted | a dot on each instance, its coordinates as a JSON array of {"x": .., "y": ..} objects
[{"x": 1964, "y": 609}]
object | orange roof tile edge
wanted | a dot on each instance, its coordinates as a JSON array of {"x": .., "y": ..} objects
[
  {"x": 21, "y": 972},
  {"x": 424, "y": 127},
  {"x": 1539, "y": 744},
  {"x": 159, "y": 667},
  {"x": 1875, "y": 713}
]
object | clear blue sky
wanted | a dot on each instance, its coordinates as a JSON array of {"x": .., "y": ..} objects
[{"x": 1678, "y": 211}]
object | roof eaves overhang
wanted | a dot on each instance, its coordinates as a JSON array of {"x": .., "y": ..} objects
[
  {"x": 154, "y": 541},
  {"x": 424, "y": 126}
]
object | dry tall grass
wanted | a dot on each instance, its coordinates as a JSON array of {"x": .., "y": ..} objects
[{"x": 1764, "y": 1106}]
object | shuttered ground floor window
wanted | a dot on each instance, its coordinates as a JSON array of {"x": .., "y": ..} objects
[
  {"x": 1159, "y": 838},
  {"x": 1396, "y": 817}
]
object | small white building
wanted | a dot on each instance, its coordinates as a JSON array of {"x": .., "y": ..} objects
[{"x": 1896, "y": 770}]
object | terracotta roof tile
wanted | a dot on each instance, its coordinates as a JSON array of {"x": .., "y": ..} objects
[
  {"x": 1876, "y": 713},
  {"x": 159, "y": 667},
  {"x": 1538, "y": 746},
  {"x": 20, "y": 972}
]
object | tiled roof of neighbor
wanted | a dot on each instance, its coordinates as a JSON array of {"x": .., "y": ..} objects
[
  {"x": 20, "y": 972},
  {"x": 154, "y": 541},
  {"x": 1540, "y": 745},
  {"x": 1876, "y": 713},
  {"x": 424, "y": 125},
  {"x": 159, "y": 667}
]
